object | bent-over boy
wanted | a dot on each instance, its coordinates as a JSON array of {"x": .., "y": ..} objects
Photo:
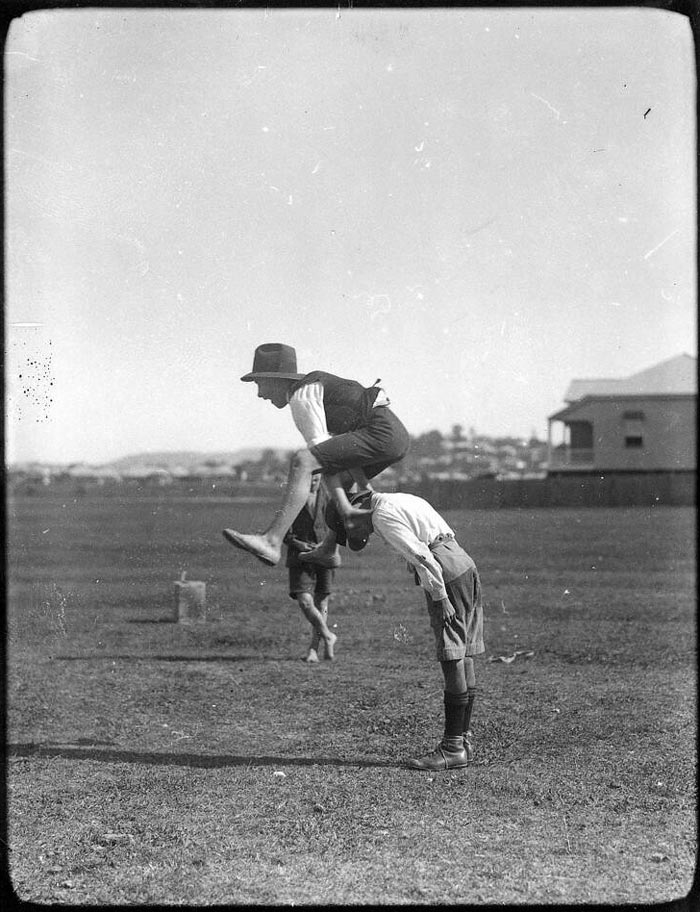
[{"x": 414, "y": 529}]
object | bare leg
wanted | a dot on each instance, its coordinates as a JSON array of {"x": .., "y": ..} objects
[
  {"x": 316, "y": 636},
  {"x": 317, "y": 621},
  {"x": 315, "y": 640},
  {"x": 267, "y": 546},
  {"x": 339, "y": 494},
  {"x": 322, "y": 608},
  {"x": 361, "y": 480},
  {"x": 454, "y": 675},
  {"x": 312, "y": 654},
  {"x": 469, "y": 674}
]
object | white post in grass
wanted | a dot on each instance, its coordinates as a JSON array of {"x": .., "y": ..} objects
[{"x": 190, "y": 601}]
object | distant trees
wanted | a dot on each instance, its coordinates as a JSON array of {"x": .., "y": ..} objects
[
  {"x": 429, "y": 445},
  {"x": 271, "y": 465},
  {"x": 457, "y": 434}
]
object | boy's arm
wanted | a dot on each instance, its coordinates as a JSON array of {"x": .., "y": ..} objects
[
  {"x": 292, "y": 541},
  {"x": 300, "y": 545},
  {"x": 306, "y": 406}
]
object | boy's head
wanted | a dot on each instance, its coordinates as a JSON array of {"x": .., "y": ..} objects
[
  {"x": 359, "y": 528},
  {"x": 275, "y": 390},
  {"x": 274, "y": 371}
]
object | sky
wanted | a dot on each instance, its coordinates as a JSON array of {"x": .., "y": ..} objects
[{"x": 474, "y": 205}]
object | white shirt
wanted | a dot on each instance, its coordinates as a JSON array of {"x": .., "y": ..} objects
[
  {"x": 306, "y": 406},
  {"x": 307, "y": 410},
  {"x": 408, "y": 524}
]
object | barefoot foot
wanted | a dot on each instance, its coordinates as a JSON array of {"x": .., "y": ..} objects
[
  {"x": 329, "y": 644},
  {"x": 311, "y": 657}
]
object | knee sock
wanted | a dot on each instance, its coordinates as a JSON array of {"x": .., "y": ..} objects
[
  {"x": 455, "y": 704},
  {"x": 468, "y": 705}
]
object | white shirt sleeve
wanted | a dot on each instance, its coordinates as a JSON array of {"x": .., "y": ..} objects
[
  {"x": 306, "y": 406},
  {"x": 382, "y": 398},
  {"x": 402, "y": 539}
]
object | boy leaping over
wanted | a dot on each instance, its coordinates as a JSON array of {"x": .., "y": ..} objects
[
  {"x": 410, "y": 526},
  {"x": 348, "y": 428}
]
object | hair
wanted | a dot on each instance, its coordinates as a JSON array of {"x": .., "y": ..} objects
[{"x": 358, "y": 538}]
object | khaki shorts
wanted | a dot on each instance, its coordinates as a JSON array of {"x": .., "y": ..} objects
[
  {"x": 464, "y": 635},
  {"x": 380, "y": 443},
  {"x": 304, "y": 577}
]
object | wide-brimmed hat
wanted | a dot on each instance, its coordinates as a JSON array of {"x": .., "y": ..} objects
[{"x": 274, "y": 360}]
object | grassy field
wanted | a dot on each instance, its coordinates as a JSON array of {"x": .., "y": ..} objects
[{"x": 153, "y": 762}]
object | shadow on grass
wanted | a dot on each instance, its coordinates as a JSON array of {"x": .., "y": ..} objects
[
  {"x": 162, "y": 620},
  {"x": 148, "y": 657},
  {"x": 199, "y": 761}
]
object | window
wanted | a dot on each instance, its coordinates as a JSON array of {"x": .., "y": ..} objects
[{"x": 633, "y": 429}]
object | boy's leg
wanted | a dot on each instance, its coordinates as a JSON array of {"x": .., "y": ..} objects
[
  {"x": 361, "y": 480},
  {"x": 267, "y": 546},
  {"x": 315, "y": 618},
  {"x": 474, "y": 643},
  {"x": 455, "y": 698},
  {"x": 450, "y": 639},
  {"x": 451, "y": 753},
  {"x": 470, "y": 678},
  {"x": 304, "y": 599},
  {"x": 301, "y": 583},
  {"x": 365, "y": 452},
  {"x": 339, "y": 494},
  {"x": 312, "y": 654},
  {"x": 469, "y": 673},
  {"x": 321, "y": 603}
]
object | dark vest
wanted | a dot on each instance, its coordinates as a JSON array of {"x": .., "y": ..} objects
[
  {"x": 311, "y": 526},
  {"x": 347, "y": 403}
]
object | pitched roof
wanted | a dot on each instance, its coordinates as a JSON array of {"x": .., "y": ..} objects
[{"x": 676, "y": 376}]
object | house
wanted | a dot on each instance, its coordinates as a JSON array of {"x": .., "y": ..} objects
[{"x": 642, "y": 423}]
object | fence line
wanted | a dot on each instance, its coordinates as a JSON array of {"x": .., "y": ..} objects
[
  {"x": 616, "y": 489},
  {"x": 611, "y": 489}
]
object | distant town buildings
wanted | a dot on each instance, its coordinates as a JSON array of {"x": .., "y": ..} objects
[
  {"x": 433, "y": 455},
  {"x": 467, "y": 455},
  {"x": 643, "y": 424}
]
